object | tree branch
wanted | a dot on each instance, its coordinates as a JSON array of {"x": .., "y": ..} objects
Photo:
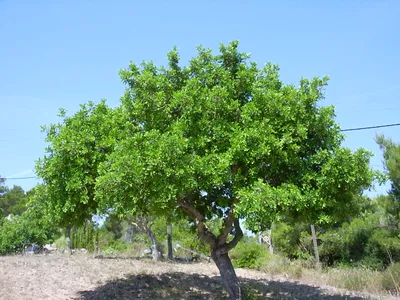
[
  {"x": 238, "y": 236},
  {"x": 202, "y": 230},
  {"x": 221, "y": 239},
  {"x": 191, "y": 211}
]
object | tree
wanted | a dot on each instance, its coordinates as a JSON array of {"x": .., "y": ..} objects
[
  {"x": 70, "y": 167},
  {"x": 391, "y": 158},
  {"x": 216, "y": 139},
  {"x": 2, "y": 186},
  {"x": 13, "y": 201},
  {"x": 32, "y": 226},
  {"x": 113, "y": 224}
]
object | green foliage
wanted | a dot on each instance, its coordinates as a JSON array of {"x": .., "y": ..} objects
[
  {"x": 61, "y": 242},
  {"x": 183, "y": 233},
  {"x": 216, "y": 139},
  {"x": 116, "y": 246},
  {"x": 292, "y": 241},
  {"x": 13, "y": 201},
  {"x": 391, "y": 203},
  {"x": 32, "y": 226},
  {"x": 105, "y": 237},
  {"x": 70, "y": 167},
  {"x": 114, "y": 225},
  {"x": 84, "y": 236},
  {"x": 249, "y": 255},
  {"x": 360, "y": 242},
  {"x": 391, "y": 279}
]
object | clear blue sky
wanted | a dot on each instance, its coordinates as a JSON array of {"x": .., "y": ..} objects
[{"x": 57, "y": 54}]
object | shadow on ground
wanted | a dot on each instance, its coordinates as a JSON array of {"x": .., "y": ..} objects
[
  {"x": 177, "y": 285},
  {"x": 176, "y": 260}
]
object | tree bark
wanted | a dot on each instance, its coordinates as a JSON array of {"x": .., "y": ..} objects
[
  {"x": 228, "y": 274},
  {"x": 153, "y": 241},
  {"x": 169, "y": 241},
  {"x": 219, "y": 245},
  {"x": 144, "y": 223},
  {"x": 68, "y": 238},
  {"x": 314, "y": 238}
]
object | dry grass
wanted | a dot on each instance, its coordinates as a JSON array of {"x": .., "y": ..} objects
[
  {"x": 363, "y": 281},
  {"x": 84, "y": 277}
]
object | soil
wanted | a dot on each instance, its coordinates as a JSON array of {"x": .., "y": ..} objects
[{"x": 63, "y": 276}]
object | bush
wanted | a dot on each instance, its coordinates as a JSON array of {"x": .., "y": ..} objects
[
  {"x": 391, "y": 279},
  {"x": 360, "y": 243},
  {"x": 249, "y": 255},
  {"x": 292, "y": 241},
  {"x": 117, "y": 246},
  {"x": 61, "y": 243},
  {"x": 85, "y": 236},
  {"x": 32, "y": 227}
]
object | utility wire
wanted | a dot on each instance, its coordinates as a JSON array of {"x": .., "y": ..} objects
[
  {"x": 343, "y": 130},
  {"x": 370, "y": 127},
  {"x": 17, "y": 178}
]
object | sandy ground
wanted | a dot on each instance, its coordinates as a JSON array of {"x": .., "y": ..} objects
[{"x": 65, "y": 276}]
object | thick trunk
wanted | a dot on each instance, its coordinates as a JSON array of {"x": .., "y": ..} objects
[
  {"x": 153, "y": 241},
  {"x": 219, "y": 245},
  {"x": 228, "y": 274},
  {"x": 169, "y": 241}
]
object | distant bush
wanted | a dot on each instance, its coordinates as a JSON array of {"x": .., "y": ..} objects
[
  {"x": 183, "y": 233},
  {"x": 85, "y": 236},
  {"x": 360, "y": 243},
  {"x": 61, "y": 243},
  {"x": 292, "y": 241},
  {"x": 391, "y": 279},
  {"x": 117, "y": 246},
  {"x": 249, "y": 255},
  {"x": 32, "y": 227}
]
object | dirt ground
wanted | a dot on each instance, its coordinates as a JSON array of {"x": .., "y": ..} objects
[{"x": 76, "y": 277}]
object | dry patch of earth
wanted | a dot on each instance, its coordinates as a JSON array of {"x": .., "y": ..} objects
[{"x": 76, "y": 277}]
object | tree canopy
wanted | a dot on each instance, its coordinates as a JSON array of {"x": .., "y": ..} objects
[
  {"x": 12, "y": 201},
  {"x": 218, "y": 137},
  {"x": 391, "y": 159}
]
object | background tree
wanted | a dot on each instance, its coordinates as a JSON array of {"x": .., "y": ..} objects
[
  {"x": 13, "y": 201},
  {"x": 2, "y": 186},
  {"x": 31, "y": 227},
  {"x": 216, "y": 139},
  {"x": 70, "y": 167},
  {"x": 391, "y": 159},
  {"x": 113, "y": 224}
]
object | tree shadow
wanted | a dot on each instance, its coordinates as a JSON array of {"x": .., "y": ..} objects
[
  {"x": 178, "y": 285},
  {"x": 175, "y": 260}
]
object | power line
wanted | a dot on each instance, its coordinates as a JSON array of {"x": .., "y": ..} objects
[
  {"x": 342, "y": 130},
  {"x": 17, "y": 178},
  {"x": 370, "y": 127}
]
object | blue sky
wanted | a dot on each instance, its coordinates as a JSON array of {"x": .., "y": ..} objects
[{"x": 57, "y": 54}]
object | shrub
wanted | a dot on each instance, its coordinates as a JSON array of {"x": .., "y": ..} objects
[
  {"x": 85, "y": 236},
  {"x": 117, "y": 246},
  {"x": 391, "y": 279},
  {"x": 292, "y": 241},
  {"x": 360, "y": 243},
  {"x": 61, "y": 243},
  {"x": 249, "y": 255},
  {"x": 25, "y": 230}
]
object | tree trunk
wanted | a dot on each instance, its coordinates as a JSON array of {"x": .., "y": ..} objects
[
  {"x": 153, "y": 241},
  {"x": 314, "y": 238},
  {"x": 228, "y": 274},
  {"x": 219, "y": 245},
  {"x": 68, "y": 238},
  {"x": 271, "y": 244},
  {"x": 169, "y": 241}
]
